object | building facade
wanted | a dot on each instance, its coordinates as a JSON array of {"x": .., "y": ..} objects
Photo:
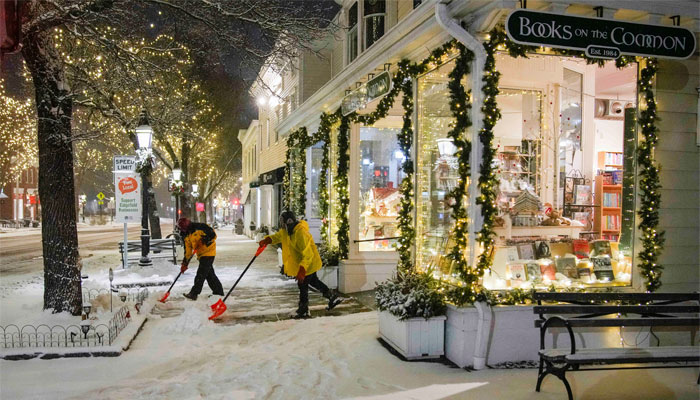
[
  {"x": 19, "y": 200},
  {"x": 567, "y": 200},
  {"x": 279, "y": 91},
  {"x": 249, "y": 139}
]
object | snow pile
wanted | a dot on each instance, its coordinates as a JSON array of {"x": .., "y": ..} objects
[{"x": 189, "y": 322}]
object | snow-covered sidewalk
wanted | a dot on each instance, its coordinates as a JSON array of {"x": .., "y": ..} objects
[{"x": 188, "y": 357}]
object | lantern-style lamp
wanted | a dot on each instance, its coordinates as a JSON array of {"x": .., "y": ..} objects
[
  {"x": 144, "y": 132},
  {"x": 177, "y": 174}
]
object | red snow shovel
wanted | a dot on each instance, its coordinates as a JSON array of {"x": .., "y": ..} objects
[
  {"x": 220, "y": 307},
  {"x": 165, "y": 296}
]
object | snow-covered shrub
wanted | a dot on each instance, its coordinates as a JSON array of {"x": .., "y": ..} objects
[
  {"x": 330, "y": 256},
  {"x": 410, "y": 295}
]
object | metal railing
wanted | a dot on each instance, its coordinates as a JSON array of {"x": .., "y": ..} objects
[{"x": 84, "y": 335}]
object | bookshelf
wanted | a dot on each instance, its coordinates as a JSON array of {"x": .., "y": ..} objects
[
  {"x": 608, "y": 218},
  {"x": 610, "y": 160}
]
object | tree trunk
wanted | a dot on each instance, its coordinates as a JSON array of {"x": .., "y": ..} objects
[
  {"x": 62, "y": 286},
  {"x": 153, "y": 215}
]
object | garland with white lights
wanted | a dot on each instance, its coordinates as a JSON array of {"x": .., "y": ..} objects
[
  {"x": 649, "y": 184},
  {"x": 295, "y": 171},
  {"x": 402, "y": 82}
]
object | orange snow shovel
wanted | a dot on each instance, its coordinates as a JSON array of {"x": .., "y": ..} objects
[
  {"x": 220, "y": 307},
  {"x": 165, "y": 296}
]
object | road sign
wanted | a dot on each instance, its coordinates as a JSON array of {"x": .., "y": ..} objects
[
  {"x": 124, "y": 164},
  {"x": 128, "y": 199},
  {"x": 100, "y": 197}
]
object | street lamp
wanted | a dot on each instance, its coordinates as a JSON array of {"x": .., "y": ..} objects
[
  {"x": 86, "y": 309},
  {"x": 176, "y": 189},
  {"x": 83, "y": 200},
  {"x": 195, "y": 194},
  {"x": 144, "y": 136}
]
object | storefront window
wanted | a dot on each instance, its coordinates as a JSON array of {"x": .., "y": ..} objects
[
  {"x": 563, "y": 155},
  {"x": 313, "y": 182},
  {"x": 380, "y": 175},
  {"x": 436, "y": 172}
]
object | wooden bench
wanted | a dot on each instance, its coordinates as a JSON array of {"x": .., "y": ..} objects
[
  {"x": 160, "y": 248},
  {"x": 593, "y": 310}
]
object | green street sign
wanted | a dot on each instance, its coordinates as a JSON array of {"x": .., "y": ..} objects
[{"x": 599, "y": 37}]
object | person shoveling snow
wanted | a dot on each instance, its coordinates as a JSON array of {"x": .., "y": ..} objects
[
  {"x": 200, "y": 239},
  {"x": 301, "y": 260}
]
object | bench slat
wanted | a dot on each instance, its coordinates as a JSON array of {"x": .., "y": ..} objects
[
  {"x": 596, "y": 309},
  {"x": 607, "y": 322},
  {"x": 625, "y": 355},
  {"x": 641, "y": 297}
]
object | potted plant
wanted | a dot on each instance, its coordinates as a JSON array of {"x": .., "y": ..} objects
[
  {"x": 261, "y": 233},
  {"x": 330, "y": 257},
  {"x": 412, "y": 315}
]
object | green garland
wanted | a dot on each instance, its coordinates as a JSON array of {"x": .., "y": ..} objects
[
  {"x": 341, "y": 185},
  {"x": 652, "y": 238},
  {"x": 402, "y": 82},
  {"x": 460, "y": 105},
  {"x": 649, "y": 185},
  {"x": 324, "y": 135}
]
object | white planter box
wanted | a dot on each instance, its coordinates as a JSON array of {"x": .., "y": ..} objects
[
  {"x": 515, "y": 338},
  {"x": 329, "y": 276},
  {"x": 508, "y": 334},
  {"x": 415, "y": 338},
  {"x": 463, "y": 344}
]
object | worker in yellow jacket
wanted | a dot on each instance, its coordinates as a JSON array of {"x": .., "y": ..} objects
[
  {"x": 200, "y": 239},
  {"x": 301, "y": 260}
]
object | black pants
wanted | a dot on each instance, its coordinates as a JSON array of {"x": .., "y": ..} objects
[
  {"x": 206, "y": 272},
  {"x": 304, "y": 291}
]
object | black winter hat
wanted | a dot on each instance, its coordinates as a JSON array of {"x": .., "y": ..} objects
[{"x": 288, "y": 221}]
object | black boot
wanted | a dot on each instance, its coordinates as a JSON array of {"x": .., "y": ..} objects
[
  {"x": 302, "y": 312},
  {"x": 190, "y": 296},
  {"x": 333, "y": 300}
]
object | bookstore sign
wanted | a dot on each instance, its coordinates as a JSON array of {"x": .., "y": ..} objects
[{"x": 599, "y": 37}]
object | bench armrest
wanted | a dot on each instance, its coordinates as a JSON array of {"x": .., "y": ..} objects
[{"x": 545, "y": 325}]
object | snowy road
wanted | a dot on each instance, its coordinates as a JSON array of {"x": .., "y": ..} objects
[{"x": 21, "y": 248}]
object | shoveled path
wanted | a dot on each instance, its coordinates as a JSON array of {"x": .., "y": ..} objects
[{"x": 262, "y": 295}]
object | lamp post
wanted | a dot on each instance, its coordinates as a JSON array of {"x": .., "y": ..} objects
[
  {"x": 83, "y": 200},
  {"x": 177, "y": 189},
  {"x": 195, "y": 194},
  {"x": 144, "y": 135}
]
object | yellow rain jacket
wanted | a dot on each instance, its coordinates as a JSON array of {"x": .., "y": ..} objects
[
  {"x": 298, "y": 249},
  {"x": 194, "y": 242}
]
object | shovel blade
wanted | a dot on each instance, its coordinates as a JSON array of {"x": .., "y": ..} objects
[
  {"x": 165, "y": 297},
  {"x": 217, "y": 305},
  {"x": 218, "y": 311}
]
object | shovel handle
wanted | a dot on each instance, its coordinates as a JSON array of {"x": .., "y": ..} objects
[
  {"x": 260, "y": 250},
  {"x": 171, "y": 286}
]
